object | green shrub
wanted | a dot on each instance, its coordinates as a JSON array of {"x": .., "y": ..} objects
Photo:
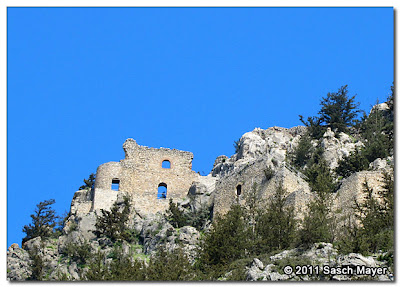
[
  {"x": 113, "y": 224},
  {"x": 79, "y": 253}
]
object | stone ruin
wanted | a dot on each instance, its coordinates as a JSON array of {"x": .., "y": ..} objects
[{"x": 151, "y": 177}]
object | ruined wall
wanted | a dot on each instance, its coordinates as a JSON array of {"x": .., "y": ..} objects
[
  {"x": 140, "y": 175},
  {"x": 297, "y": 190},
  {"x": 226, "y": 188}
]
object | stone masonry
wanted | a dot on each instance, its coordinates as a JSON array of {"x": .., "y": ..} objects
[{"x": 140, "y": 175}]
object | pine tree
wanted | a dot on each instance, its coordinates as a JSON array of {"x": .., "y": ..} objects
[
  {"x": 176, "y": 216},
  {"x": 113, "y": 224},
  {"x": 97, "y": 268},
  {"x": 355, "y": 162},
  {"x": 43, "y": 221},
  {"x": 318, "y": 223},
  {"x": 226, "y": 241},
  {"x": 369, "y": 214},
  {"x": 303, "y": 152},
  {"x": 320, "y": 178},
  {"x": 315, "y": 129},
  {"x": 276, "y": 227},
  {"x": 339, "y": 111},
  {"x": 89, "y": 183},
  {"x": 38, "y": 265},
  {"x": 387, "y": 201},
  {"x": 123, "y": 267},
  {"x": 169, "y": 266}
]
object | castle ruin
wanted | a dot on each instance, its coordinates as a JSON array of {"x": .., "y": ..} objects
[{"x": 150, "y": 176}]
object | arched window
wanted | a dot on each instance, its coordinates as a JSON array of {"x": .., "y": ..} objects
[
  {"x": 162, "y": 191},
  {"x": 115, "y": 184},
  {"x": 239, "y": 189},
  {"x": 166, "y": 164}
]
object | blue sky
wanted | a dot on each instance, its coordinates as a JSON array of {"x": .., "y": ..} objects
[{"x": 82, "y": 80}]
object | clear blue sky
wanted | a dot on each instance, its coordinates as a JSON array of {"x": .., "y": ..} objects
[{"x": 82, "y": 80}]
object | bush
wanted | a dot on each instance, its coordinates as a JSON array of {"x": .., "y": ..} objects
[
  {"x": 38, "y": 265},
  {"x": 176, "y": 216},
  {"x": 79, "y": 253},
  {"x": 170, "y": 266}
]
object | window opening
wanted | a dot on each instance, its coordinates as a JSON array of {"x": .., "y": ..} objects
[
  {"x": 115, "y": 184},
  {"x": 239, "y": 190},
  {"x": 166, "y": 164},
  {"x": 162, "y": 191}
]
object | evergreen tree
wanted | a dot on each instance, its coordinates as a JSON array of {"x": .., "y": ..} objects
[
  {"x": 368, "y": 212},
  {"x": 375, "y": 216},
  {"x": 252, "y": 209},
  {"x": 355, "y": 162},
  {"x": 113, "y": 224},
  {"x": 320, "y": 178},
  {"x": 387, "y": 201},
  {"x": 226, "y": 241},
  {"x": 303, "y": 152},
  {"x": 176, "y": 216},
  {"x": 97, "y": 268},
  {"x": 43, "y": 221},
  {"x": 124, "y": 268},
  {"x": 315, "y": 129},
  {"x": 38, "y": 264},
  {"x": 318, "y": 223},
  {"x": 339, "y": 111},
  {"x": 89, "y": 183},
  {"x": 169, "y": 266},
  {"x": 276, "y": 227},
  {"x": 377, "y": 131}
]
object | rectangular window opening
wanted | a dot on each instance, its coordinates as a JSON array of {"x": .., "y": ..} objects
[{"x": 115, "y": 184}]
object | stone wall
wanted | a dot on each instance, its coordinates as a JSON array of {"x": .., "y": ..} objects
[
  {"x": 141, "y": 173},
  {"x": 256, "y": 177}
]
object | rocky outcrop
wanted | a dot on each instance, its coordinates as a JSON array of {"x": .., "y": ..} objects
[
  {"x": 272, "y": 144},
  {"x": 338, "y": 147},
  {"x": 18, "y": 263},
  {"x": 321, "y": 262}
]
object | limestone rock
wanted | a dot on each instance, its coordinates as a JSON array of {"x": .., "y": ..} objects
[
  {"x": 18, "y": 263},
  {"x": 352, "y": 188},
  {"x": 81, "y": 202},
  {"x": 336, "y": 149},
  {"x": 320, "y": 254},
  {"x": 385, "y": 164},
  {"x": 272, "y": 144}
]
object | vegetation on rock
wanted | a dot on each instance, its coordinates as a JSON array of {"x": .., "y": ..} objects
[{"x": 44, "y": 221}]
